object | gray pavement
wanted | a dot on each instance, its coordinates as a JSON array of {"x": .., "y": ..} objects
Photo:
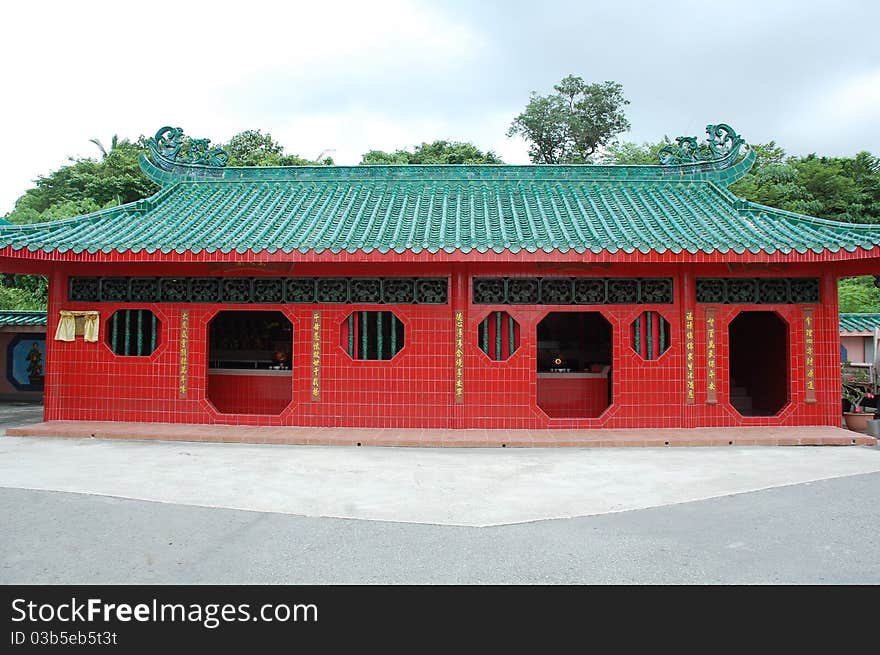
[
  {"x": 820, "y": 532},
  {"x": 690, "y": 515},
  {"x": 449, "y": 486}
]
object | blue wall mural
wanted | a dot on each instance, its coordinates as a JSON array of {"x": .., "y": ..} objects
[{"x": 26, "y": 362}]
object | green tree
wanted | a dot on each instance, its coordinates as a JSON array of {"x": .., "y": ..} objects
[
  {"x": 858, "y": 294},
  {"x": 436, "y": 152},
  {"x": 569, "y": 126},
  {"x": 837, "y": 188},
  {"x": 86, "y": 186},
  {"x": 253, "y": 148},
  {"x": 632, "y": 153}
]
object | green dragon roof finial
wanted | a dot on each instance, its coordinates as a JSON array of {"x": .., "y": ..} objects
[
  {"x": 721, "y": 148},
  {"x": 170, "y": 148}
]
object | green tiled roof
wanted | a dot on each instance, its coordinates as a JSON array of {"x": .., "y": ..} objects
[
  {"x": 679, "y": 208},
  {"x": 859, "y": 322},
  {"x": 22, "y": 317}
]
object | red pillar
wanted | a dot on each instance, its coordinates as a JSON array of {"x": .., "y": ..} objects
[
  {"x": 459, "y": 370},
  {"x": 688, "y": 318},
  {"x": 52, "y": 379}
]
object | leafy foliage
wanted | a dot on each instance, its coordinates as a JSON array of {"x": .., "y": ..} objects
[
  {"x": 632, "y": 153},
  {"x": 437, "y": 152},
  {"x": 858, "y": 294},
  {"x": 87, "y": 185},
  {"x": 253, "y": 148},
  {"x": 567, "y": 127}
]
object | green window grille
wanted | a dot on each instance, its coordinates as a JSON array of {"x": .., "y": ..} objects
[
  {"x": 372, "y": 335},
  {"x": 498, "y": 336},
  {"x": 650, "y": 335},
  {"x": 133, "y": 332}
]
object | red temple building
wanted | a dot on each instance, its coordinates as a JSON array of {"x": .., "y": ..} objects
[{"x": 569, "y": 296}]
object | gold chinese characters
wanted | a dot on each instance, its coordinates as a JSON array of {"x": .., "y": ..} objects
[
  {"x": 183, "y": 382},
  {"x": 459, "y": 357},
  {"x": 711, "y": 378},
  {"x": 689, "y": 357},
  {"x": 316, "y": 356}
]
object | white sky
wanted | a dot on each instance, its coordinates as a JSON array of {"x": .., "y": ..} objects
[{"x": 377, "y": 74}]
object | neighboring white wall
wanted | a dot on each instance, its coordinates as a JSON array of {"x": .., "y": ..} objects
[{"x": 855, "y": 348}]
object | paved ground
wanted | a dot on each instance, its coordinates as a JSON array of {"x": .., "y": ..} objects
[
  {"x": 473, "y": 487},
  {"x": 821, "y": 532},
  {"x": 432, "y": 438},
  {"x": 815, "y": 519}
]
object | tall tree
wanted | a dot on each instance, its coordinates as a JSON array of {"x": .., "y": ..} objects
[
  {"x": 569, "y": 126},
  {"x": 87, "y": 185},
  {"x": 253, "y": 148},
  {"x": 436, "y": 152},
  {"x": 632, "y": 153}
]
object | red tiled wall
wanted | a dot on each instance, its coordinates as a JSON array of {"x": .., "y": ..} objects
[
  {"x": 87, "y": 381},
  {"x": 249, "y": 394},
  {"x": 573, "y": 397}
]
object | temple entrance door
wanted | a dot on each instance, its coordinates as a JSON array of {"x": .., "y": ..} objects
[
  {"x": 574, "y": 364},
  {"x": 249, "y": 369},
  {"x": 759, "y": 362}
]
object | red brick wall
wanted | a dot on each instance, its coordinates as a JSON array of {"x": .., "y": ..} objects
[{"x": 87, "y": 381}]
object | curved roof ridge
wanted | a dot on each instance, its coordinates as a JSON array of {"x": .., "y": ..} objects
[
  {"x": 756, "y": 206},
  {"x": 174, "y": 158}
]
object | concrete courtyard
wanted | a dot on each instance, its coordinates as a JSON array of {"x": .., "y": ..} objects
[{"x": 93, "y": 511}]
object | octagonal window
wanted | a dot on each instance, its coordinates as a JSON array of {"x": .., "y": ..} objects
[
  {"x": 498, "y": 336},
  {"x": 650, "y": 335},
  {"x": 133, "y": 332},
  {"x": 372, "y": 335}
]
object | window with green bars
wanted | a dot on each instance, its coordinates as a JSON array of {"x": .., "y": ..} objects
[
  {"x": 133, "y": 332},
  {"x": 498, "y": 335},
  {"x": 372, "y": 335},
  {"x": 650, "y": 335}
]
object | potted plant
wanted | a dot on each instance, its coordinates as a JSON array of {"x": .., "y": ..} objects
[{"x": 856, "y": 386}]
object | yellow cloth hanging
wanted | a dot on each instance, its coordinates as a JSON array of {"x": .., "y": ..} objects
[
  {"x": 90, "y": 329},
  {"x": 67, "y": 325}
]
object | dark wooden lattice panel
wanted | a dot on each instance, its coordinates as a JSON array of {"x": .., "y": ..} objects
[
  {"x": 174, "y": 289},
  {"x": 332, "y": 290},
  {"x": 299, "y": 290},
  {"x": 655, "y": 291},
  {"x": 236, "y": 289},
  {"x": 432, "y": 291},
  {"x": 83, "y": 288},
  {"x": 523, "y": 291},
  {"x": 204, "y": 289},
  {"x": 268, "y": 290},
  {"x": 571, "y": 291},
  {"x": 144, "y": 289},
  {"x": 114, "y": 289},
  {"x": 741, "y": 291},
  {"x": 623, "y": 291},
  {"x": 366, "y": 290},
  {"x": 590, "y": 291},
  {"x": 557, "y": 291},
  {"x": 751, "y": 290},
  {"x": 489, "y": 291},
  {"x": 711, "y": 290},
  {"x": 773, "y": 291},
  {"x": 398, "y": 291},
  {"x": 805, "y": 290}
]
